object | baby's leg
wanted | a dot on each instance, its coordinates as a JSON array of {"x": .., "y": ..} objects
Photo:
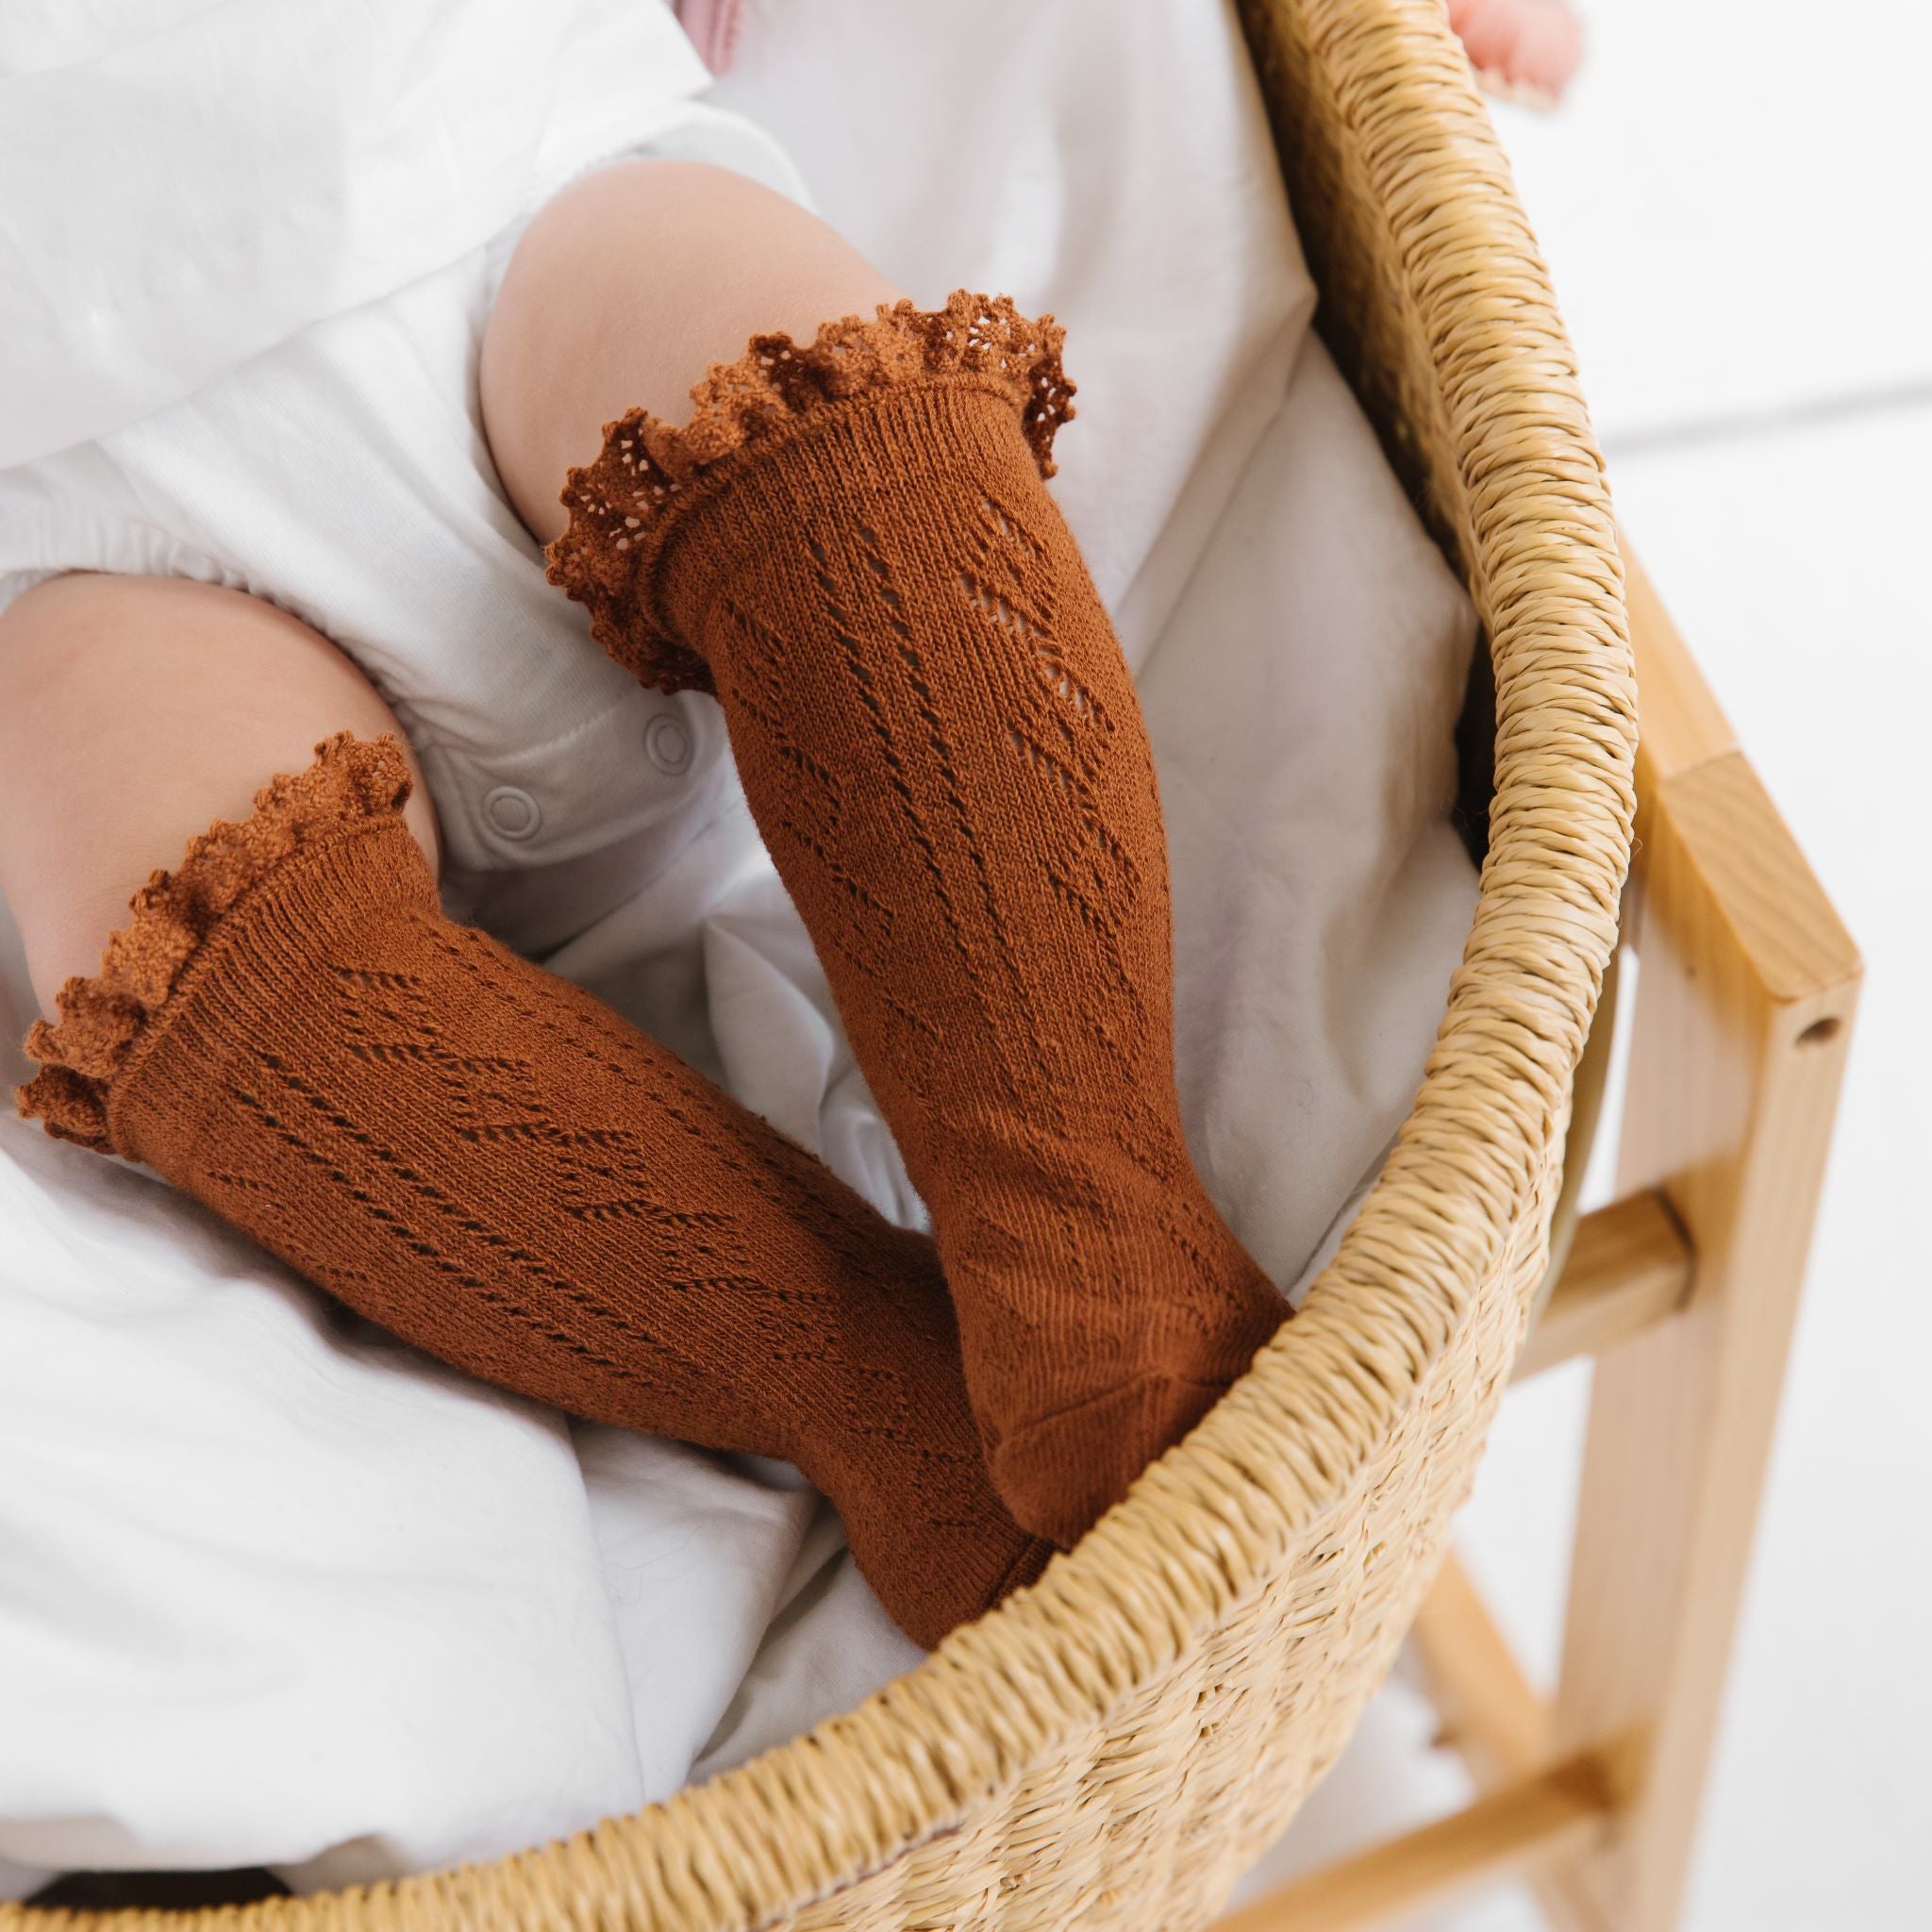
[
  {"x": 469, "y": 1151},
  {"x": 854, "y": 547},
  {"x": 623, "y": 293},
  {"x": 133, "y": 711}
]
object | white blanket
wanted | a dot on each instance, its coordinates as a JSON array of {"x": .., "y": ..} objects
[{"x": 274, "y": 1590}]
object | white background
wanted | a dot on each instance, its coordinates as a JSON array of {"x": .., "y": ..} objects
[{"x": 1736, "y": 205}]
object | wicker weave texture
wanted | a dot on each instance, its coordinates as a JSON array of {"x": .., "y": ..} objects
[{"x": 1111, "y": 1747}]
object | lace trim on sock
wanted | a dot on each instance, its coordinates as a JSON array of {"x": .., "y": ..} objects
[
  {"x": 618, "y": 504},
  {"x": 102, "y": 1018}
]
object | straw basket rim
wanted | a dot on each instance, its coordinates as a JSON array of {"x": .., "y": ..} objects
[{"x": 1197, "y": 1535}]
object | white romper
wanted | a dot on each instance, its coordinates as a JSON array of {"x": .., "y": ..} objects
[{"x": 246, "y": 253}]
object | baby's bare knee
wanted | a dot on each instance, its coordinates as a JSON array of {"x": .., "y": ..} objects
[
  {"x": 625, "y": 289},
  {"x": 133, "y": 712}
]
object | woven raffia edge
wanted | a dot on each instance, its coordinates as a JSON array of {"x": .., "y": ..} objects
[{"x": 1110, "y": 1745}]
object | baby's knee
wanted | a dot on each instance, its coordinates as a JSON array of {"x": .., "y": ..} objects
[
  {"x": 133, "y": 711},
  {"x": 690, "y": 220},
  {"x": 626, "y": 287},
  {"x": 676, "y": 251}
]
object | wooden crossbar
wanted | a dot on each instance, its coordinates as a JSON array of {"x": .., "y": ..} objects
[
  {"x": 1628, "y": 1268},
  {"x": 1488, "y": 1710},
  {"x": 1551, "y": 1815}
]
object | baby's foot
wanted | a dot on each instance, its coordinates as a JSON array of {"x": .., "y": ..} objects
[{"x": 1526, "y": 48}]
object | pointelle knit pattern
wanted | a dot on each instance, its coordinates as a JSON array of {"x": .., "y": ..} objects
[
  {"x": 490, "y": 1163},
  {"x": 853, "y": 546}
]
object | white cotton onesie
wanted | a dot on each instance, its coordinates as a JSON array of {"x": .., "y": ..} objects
[{"x": 248, "y": 251}]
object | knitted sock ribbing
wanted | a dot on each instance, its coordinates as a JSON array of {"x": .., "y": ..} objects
[
  {"x": 854, "y": 547},
  {"x": 482, "y": 1158}
]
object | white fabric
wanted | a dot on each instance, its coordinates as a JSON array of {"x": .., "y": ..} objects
[
  {"x": 183, "y": 185},
  {"x": 344, "y": 474},
  {"x": 273, "y": 1590}
]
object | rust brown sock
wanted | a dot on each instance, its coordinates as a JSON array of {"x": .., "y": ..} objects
[
  {"x": 482, "y": 1158},
  {"x": 854, "y": 547}
]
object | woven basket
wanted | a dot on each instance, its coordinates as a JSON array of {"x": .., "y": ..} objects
[{"x": 1112, "y": 1747}]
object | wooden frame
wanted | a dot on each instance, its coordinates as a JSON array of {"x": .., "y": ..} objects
[{"x": 1685, "y": 1292}]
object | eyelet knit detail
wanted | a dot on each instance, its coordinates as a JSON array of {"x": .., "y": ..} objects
[
  {"x": 103, "y": 1018},
  {"x": 941, "y": 745},
  {"x": 624, "y": 505}
]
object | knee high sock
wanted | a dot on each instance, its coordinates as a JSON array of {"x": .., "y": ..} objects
[
  {"x": 854, "y": 547},
  {"x": 488, "y": 1163}
]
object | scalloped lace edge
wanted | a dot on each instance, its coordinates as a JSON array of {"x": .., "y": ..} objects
[
  {"x": 103, "y": 1017},
  {"x": 621, "y": 503}
]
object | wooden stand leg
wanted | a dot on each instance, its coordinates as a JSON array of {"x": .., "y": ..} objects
[
  {"x": 1685, "y": 1289},
  {"x": 1743, "y": 1018}
]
